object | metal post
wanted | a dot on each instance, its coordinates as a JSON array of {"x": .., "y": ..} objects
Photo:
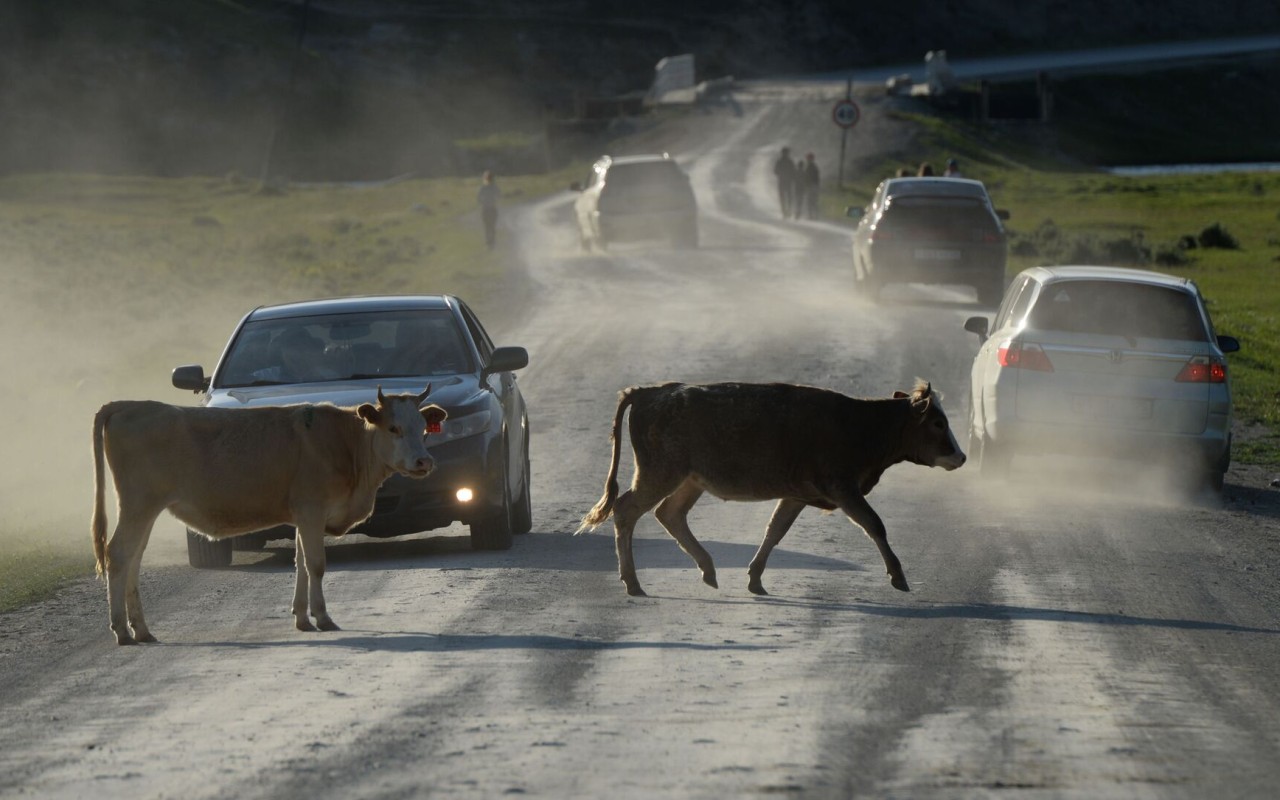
[{"x": 844, "y": 136}]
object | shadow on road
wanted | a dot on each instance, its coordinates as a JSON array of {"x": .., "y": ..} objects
[
  {"x": 375, "y": 641},
  {"x": 1007, "y": 613},
  {"x": 551, "y": 551}
]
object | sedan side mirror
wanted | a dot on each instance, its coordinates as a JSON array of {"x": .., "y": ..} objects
[
  {"x": 854, "y": 212},
  {"x": 190, "y": 376},
  {"x": 978, "y": 325},
  {"x": 506, "y": 359},
  {"x": 1228, "y": 344},
  {"x": 1002, "y": 213}
]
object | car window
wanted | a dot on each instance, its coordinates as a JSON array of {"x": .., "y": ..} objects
[
  {"x": 478, "y": 334},
  {"x": 878, "y": 200},
  {"x": 1011, "y": 296},
  {"x": 1118, "y": 308},
  {"x": 345, "y": 347},
  {"x": 655, "y": 175},
  {"x": 947, "y": 212},
  {"x": 1018, "y": 308}
]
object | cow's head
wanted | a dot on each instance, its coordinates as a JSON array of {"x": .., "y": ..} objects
[
  {"x": 929, "y": 440},
  {"x": 403, "y": 426}
]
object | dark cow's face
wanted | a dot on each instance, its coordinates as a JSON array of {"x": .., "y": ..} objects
[
  {"x": 930, "y": 440},
  {"x": 402, "y": 429}
]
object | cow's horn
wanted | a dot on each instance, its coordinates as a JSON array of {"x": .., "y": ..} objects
[
  {"x": 382, "y": 400},
  {"x": 424, "y": 394}
]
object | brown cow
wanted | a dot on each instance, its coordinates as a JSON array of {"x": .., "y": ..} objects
[
  {"x": 227, "y": 471},
  {"x": 800, "y": 445}
]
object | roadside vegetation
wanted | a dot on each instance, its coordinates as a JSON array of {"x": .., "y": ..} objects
[{"x": 1221, "y": 230}]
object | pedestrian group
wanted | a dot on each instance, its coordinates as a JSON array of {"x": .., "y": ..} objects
[{"x": 797, "y": 185}]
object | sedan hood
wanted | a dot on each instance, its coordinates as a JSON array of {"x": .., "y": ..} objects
[{"x": 448, "y": 392}]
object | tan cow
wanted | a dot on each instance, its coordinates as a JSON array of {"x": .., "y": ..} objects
[
  {"x": 228, "y": 471},
  {"x": 799, "y": 445}
]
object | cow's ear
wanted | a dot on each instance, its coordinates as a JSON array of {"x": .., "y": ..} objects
[
  {"x": 434, "y": 415},
  {"x": 900, "y": 395},
  {"x": 369, "y": 413}
]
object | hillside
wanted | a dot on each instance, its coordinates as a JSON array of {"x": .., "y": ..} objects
[{"x": 381, "y": 87}]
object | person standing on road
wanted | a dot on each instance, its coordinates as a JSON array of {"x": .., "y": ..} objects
[
  {"x": 952, "y": 170},
  {"x": 810, "y": 183},
  {"x": 784, "y": 169},
  {"x": 487, "y": 198},
  {"x": 925, "y": 170}
]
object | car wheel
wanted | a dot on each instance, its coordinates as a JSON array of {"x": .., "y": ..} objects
[
  {"x": 994, "y": 460},
  {"x": 250, "y": 542},
  {"x": 522, "y": 516},
  {"x": 493, "y": 532},
  {"x": 205, "y": 553},
  {"x": 867, "y": 284}
]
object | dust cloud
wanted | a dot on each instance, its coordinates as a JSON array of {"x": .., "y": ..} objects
[{"x": 71, "y": 345}]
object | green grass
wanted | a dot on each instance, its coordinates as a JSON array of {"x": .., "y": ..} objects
[
  {"x": 32, "y": 571},
  {"x": 1133, "y": 221}
]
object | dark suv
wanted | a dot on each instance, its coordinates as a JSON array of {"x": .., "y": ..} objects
[
  {"x": 636, "y": 197},
  {"x": 930, "y": 230}
]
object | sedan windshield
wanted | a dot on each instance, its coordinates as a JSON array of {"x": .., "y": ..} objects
[{"x": 345, "y": 347}]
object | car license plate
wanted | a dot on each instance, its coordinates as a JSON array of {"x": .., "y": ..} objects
[
  {"x": 1102, "y": 407},
  {"x": 935, "y": 254}
]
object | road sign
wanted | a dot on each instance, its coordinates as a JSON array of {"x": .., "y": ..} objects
[{"x": 846, "y": 113}]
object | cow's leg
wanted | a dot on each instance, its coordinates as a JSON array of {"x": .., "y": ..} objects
[
  {"x": 124, "y": 550},
  {"x": 673, "y": 513},
  {"x": 310, "y": 564},
  {"x": 644, "y": 494},
  {"x": 133, "y": 600},
  {"x": 861, "y": 512},
  {"x": 783, "y": 516}
]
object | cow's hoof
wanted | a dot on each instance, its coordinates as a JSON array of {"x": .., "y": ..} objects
[
  {"x": 709, "y": 578},
  {"x": 900, "y": 583},
  {"x": 146, "y": 637},
  {"x": 124, "y": 638},
  {"x": 303, "y": 624},
  {"x": 327, "y": 624},
  {"x": 756, "y": 587},
  {"x": 636, "y": 591}
]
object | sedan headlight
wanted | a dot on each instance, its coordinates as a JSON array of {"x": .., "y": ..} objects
[{"x": 461, "y": 427}]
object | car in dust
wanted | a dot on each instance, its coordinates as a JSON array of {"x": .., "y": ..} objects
[
  {"x": 631, "y": 198},
  {"x": 340, "y": 351},
  {"x": 930, "y": 230},
  {"x": 1102, "y": 361}
]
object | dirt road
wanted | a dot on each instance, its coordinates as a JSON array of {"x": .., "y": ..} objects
[{"x": 1057, "y": 642}]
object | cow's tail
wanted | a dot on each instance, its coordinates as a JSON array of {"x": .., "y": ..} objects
[
  {"x": 99, "y": 525},
  {"x": 601, "y": 511}
]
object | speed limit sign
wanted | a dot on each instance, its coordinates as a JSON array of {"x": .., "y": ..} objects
[{"x": 845, "y": 113}]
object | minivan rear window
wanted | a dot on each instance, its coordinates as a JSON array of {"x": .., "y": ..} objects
[
  {"x": 661, "y": 174},
  {"x": 1118, "y": 308}
]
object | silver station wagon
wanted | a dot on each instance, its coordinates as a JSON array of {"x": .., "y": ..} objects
[{"x": 1102, "y": 361}]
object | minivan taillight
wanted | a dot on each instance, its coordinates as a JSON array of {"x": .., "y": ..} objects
[
  {"x": 1016, "y": 355},
  {"x": 1203, "y": 369}
]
